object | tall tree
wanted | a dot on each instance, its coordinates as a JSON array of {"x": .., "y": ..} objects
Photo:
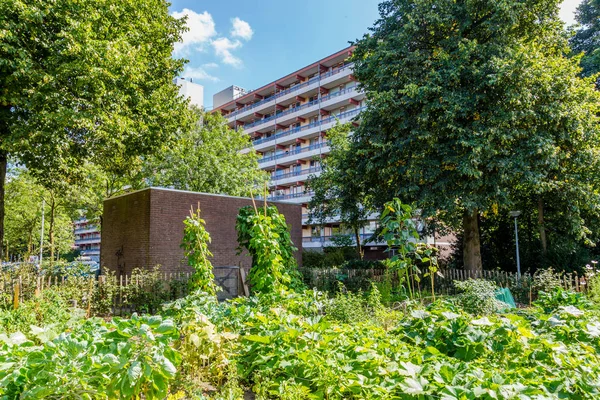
[
  {"x": 469, "y": 100},
  {"x": 338, "y": 193},
  {"x": 209, "y": 158},
  {"x": 88, "y": 80},
  {"x": 587, "y": 37}
]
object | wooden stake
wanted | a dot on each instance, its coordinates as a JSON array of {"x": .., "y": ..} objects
[
  {"x": 244, "y": 285},
  {"x": 17, "y": 289}
]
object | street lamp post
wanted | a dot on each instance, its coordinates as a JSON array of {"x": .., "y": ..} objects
[{"x": 515, "y": 215}]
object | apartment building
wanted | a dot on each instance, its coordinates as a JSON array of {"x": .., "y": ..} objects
[
  {"x": 288, "y": 120},
  {"x": 191, "y": 90},
  {"x": 87, "y": 239}
]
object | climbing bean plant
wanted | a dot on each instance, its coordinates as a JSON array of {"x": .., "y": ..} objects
[
  {"x": 264, "y": 232},
  {"x": 195, "y": 246}
]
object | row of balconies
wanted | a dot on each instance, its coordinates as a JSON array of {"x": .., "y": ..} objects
[
  {"x": 322, "y": 100},
  {"x": 309, "y": 110},
  {"x": 311, "y": 129},
  {"x": 263, "y": 103},
  {"x": 312, "y": 170}
]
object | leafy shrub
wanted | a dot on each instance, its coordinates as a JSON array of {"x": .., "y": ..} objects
[
  {"x": 96, "y": 360},
  {"x": 348, "y": 307},
  {"x": 363, "y": 264},
  {"x": 104, "y": 294},
  {"x": 547, "y": 280},
  {"x": 478, "y": 296},
  {"x": 147, "y": 290},
  {"x": 49, "y": 308},
  {"x": 558, "y": 297}
]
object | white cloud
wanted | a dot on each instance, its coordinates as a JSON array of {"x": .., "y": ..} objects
[
  {"x": 223, "y": 48},
  {"x": 201, "y": 29},
  {"x": 241, "y": 29},
  {"x": 198, "y": 73},
  {"x": 210, "y": 65}
]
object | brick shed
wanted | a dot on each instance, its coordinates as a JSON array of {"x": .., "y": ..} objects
[{"x": 145, "y": 228}]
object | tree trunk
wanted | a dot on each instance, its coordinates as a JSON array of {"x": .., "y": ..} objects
[
  {"x": 541, "y": 226},
  {"x": 358, "y": 245},
  {"x": 3, "y": 166},
  {"x": 471, "y": 244}
]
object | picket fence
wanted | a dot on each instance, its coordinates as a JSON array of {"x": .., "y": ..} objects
[
  {"x": 166, "y": 287},
  {"x": 327, "y": 279},
  {"x": 171, "y": 286}
]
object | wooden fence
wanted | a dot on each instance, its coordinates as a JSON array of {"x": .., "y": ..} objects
[
  {"x": 355, "y": 279},
  {"x": 117, "y": 295}
]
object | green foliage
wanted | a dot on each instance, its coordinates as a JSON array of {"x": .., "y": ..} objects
[
  {"x": 264, "y": 233},
  {"x": 50, "y": 308},
  {"x": 147, "y": 290},
  {"x": 96, "y": 360},
  {"x": 478, "y": 296},
  {"x": 348, "y": 307},
  {"x": 471, "y": 104},
  {"x": 23, "y": 217},
  {"x": 195, "y": 246},
  {"x": 399, "y": 230},
  {"x": 292, "y": 345},
  {"x": 586, "y": 39},
  {"x": 547, "y": 280},
  {"x": 207, "y": 158},
  {"x": 123, "y": 101},
  {"x": 557, "y": 297}
]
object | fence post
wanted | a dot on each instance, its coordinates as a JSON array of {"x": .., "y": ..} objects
[
  {"x": 16, "y": 289},
  {"x": 89, "y": 299}
]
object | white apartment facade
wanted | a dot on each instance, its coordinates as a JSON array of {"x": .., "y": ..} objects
[
  {"x": 87, "y": 239},
  {"x": 191, "y": 90},
  {"x": 288, "y": 120}
]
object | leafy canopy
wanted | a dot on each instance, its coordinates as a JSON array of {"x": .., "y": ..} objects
[
  {"x": 208, "y": 158},
  {"x": 87, "y": 80},
  {"x": 586, "y": 38},
  {"x": 466, "y": 99}
]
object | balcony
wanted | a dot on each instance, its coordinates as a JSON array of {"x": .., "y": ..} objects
[
  {"x": 292, "y": 155},
  {"x": 80, "y": 231},
  {"x": 293, "y": 133},
  {"x": 290, "y": 196},
  {"x": 322, "y": 241},
  {"x": 262, "y": 104},
  {"x": 291, "y": 177},
  {"x": 79, "y": 242}
]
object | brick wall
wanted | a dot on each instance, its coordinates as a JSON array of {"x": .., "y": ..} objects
[{"x": 145, "y": 228}]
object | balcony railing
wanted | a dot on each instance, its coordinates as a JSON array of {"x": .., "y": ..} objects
[
  {"x": 323, "y": 239},
  {"x": 291, "y": 131},
  {"x": 347, "y": 114},
  {"x": 282, "y": 114},
  {"x": 292, "y": 152},
  {"x": 311, "y": 170},
  {"x": 289, "y": 196},
  {"x": 289, "y": 90}
]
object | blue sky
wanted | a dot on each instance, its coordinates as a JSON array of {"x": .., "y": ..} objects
[{"x": 250, "y": 43}]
